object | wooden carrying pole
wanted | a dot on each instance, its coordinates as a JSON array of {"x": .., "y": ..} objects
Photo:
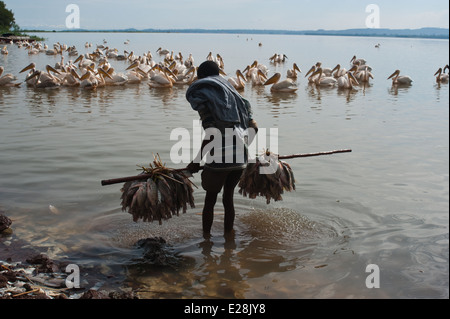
[{"x": 146, "y": 176}]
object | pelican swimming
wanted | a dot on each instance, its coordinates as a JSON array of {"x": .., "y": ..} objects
[
  {"x": 186, "y": 77},
  {"x": 285, "y": 86},
  {"x": 31, "y": 78},
  {"x": 139, "y": 70},
  {"x": 278, "y": 58},
  {"x": 162, "y": 51},
  {"x": 46, "y": 80},
  {"x": 106, "y": 79},
  {"x": 84, "y": 62},
  {"x": 339, "y": 71},
  {"x": 238, "y": 82},
  {"x": 323, "y": 80},
  {"x": 259, "y": 78},
  {"x": 112, "y": 78},
  {"x": 255, "y": 71},
  {"x": 400, "y": 80},
  {"x": 60, "y": 65},
  {"x": 441, "y": 76},
  {"x": 263, "y": 68},
  {"x": 326, "y": 71},
  {"x": 312, "y": 78},
  {"x": 89, "y": 81},
  {"x": 189, "y": 62},
  {"x": 354, "y": 60},
  {"x": 347, "y": 81},
  {"x": 5, "y": 50},
  {"x": 364, "y": 75},
  {"x": 161, "y": 79},
  {"x": 32, "y": 50},
  {"x": 71, "y": 79},
  {"x": 7, "y": 79},
  {"x": 292, "y": 73}
]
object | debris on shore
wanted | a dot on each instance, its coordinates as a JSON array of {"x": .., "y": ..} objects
[
  {"x": 42, "y": 278},
  {"x": 5, "y": 222}
]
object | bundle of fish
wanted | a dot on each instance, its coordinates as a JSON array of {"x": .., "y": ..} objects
[
  {"x": 161, "y": 194},
  {"x": 267, "y": 177}
]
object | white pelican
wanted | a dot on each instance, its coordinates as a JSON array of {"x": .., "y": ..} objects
[
  {"x": 84, "y": 62},
  {"x": 326, "y": 71},
  {"x": 323, "y": 80},
  {"x": 162, "y": 79},
  {"x": 365, "y": 75},
  {"x": 162, "y": 51},
  {"x": 187, "y": 77},
  {"x": 252, "y": 71},
  {"x": 189, "y": 62},
  {"x": 136, "y": 76},
  {"x": 312, "y": 78},
  {"x": 60, "y": 65},
  {"x": 46, "y": 80},
  {"x": 32, "y": 50},
  {"x": 347, "y": 81},
  {"x": 72, "y": 51},
  {"x": 441, "y": 76},
  {"x": 292, "y": 73},
  {"x": 256, "y": 76},
  {"x": 7, "y": 79},
  {"x": 179, "y": 57},
  {"x": 112, "y": 53},
  {"x": 111, "y": 78},
  {"x": 89, "y": 81},
  {"x": 51, "y": 52},
  {"x": 144, "y": 67},
  {"x": 238, "y": 82},
  {"x": 31, "y": 78},
  {"x": 354, "y": 60},
  {"x": 4, "y": 50},
  {"x": 218, "y": 60},
  {"x": 400, "y": 80},
  {"x": 105, "y": 78},
  {"x": 210, "y": 57},
  {"x": 285, "y": 86},
  {"x": 338, "y": 71},
  {"x": 71, "y": 79},
  {"x": 278, "y": 58},
  {"x": 263, "y": 68}
]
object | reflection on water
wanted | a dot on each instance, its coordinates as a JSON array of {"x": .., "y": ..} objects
[
  {"x": 222, "y": 266},
  {"x": 385, "y": 203},
  {"x": 395, "y": 90}
]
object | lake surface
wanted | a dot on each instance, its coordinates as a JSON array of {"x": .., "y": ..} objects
[{"x": 384, "y": 204}]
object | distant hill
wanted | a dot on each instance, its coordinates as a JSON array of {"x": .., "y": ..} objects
[
  {"x": 437, "y": 33},
  {"x": 433, "y": 33}
]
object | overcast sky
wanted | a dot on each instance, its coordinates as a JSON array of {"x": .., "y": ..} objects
[{"x": 230, "y": 14}]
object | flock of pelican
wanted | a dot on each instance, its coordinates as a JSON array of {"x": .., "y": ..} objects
[{"x": 94, "y": 69}]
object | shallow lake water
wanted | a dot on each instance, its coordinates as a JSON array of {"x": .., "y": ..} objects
[{"x": 385, "y": 203}]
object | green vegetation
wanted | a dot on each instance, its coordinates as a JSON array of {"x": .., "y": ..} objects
[
  {"x": 7, "y": 20},
  {"x": 9, "y": 26}
]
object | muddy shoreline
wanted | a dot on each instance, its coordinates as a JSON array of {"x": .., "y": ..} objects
[{"x": 26, "y": 272}]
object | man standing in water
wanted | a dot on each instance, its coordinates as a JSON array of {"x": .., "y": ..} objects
[{"x": 223, "y": 112}]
